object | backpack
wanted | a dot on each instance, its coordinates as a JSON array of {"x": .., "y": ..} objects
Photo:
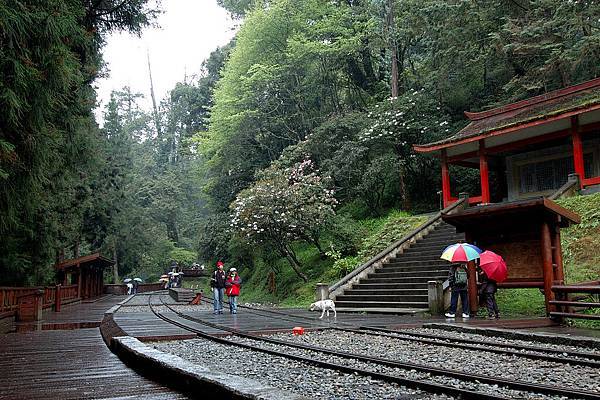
[{"x": 460, "y": 276}]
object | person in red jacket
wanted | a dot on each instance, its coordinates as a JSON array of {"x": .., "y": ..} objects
[{"x": 232, "y": 289}]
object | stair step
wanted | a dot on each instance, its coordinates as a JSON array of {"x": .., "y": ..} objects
[
  {"x": 417, "y": 257},
  {"x": 410, "y": 279},
  {"x": 407, "y": 274},
  {"x": 417, "y": 268},
  {"x": 390, "y": 286},
  {"x": 575, "y": 315},
  {"x": 395, "y": 292},
  {"x": 574, "y": 303},
  {"x": 381, "y": 297},
  {"x": 381, "y": 304},
  {"x": 441, "y": 264},
  {"x": 426, "y": 241},
  {"x": 436, "y": 253},
  {"x": 426, "y": 247}
]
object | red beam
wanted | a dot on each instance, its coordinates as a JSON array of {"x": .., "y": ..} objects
[
  {"x": 475, "y": 200},
  {"x": 591, "y": 181},
  {"x": 524, "y": 142}
]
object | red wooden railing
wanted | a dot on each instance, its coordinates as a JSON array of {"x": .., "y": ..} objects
[{"x": 9, "y": 296}]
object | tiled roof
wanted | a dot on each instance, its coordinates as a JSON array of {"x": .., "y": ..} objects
[{"x": 568, "y": 100}]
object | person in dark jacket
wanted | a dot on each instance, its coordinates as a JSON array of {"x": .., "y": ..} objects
[
  {"x": 232, "y": 290},
  {"x": 217, "y": 282},
  {"x": 457, "y": 277},
  {"x": 488, "y": 289}
]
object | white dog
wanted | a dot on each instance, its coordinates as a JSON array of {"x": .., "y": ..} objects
[{"x": 325, "y": 306}]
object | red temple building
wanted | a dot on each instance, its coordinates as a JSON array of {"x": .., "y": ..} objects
[{"x": 531, "y": 146}]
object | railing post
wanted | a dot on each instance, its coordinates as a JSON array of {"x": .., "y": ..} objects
[
  {"x": 38, "y": 305},
  {"x": 435, "y": 297},
  {"x": 57, "y": 298},
  {"x": 322, "y": 292}
]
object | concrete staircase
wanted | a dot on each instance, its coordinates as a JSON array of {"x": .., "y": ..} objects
[{"x": 400, "y": 285}]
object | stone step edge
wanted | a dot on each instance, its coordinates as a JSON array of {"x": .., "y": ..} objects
[
  {"x": 383, "y": 310},
  {"x": 193, "y": 378}
]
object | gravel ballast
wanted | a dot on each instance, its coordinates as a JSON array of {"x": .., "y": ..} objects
[
  {"x": 286, "y": 374},
  {"x": 485, "y": 363}
]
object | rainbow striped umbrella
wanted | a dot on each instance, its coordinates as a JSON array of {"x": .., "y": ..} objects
[{"x": 461, "y": 252}]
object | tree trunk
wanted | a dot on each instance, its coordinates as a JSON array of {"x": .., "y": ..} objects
[
  {"x": 393, "y": 48},
  {"x": 294, "y": 263},
  {"x": 314, "y": 239},
  {"x": 115, "y": 265},
  {"x": 403, "y": 191},
  {"x": 172, "y": 232}
]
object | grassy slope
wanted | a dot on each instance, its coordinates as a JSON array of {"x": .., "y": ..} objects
[{"x": 376, "y": 234}]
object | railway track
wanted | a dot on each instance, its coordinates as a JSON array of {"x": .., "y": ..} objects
[
  {"x": 563, "y": 355},
  {"x": 369, "y": 364}
]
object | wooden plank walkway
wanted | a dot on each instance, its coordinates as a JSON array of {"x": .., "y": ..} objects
[{"x": 69, "y": 364}]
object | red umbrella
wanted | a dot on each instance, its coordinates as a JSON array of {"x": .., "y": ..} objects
[{"x": 493, "y": 265}]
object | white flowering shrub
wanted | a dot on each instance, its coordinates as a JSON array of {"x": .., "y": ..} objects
[
  {"x": 396, "y": 124},
  {"x": 284, "y": 205},
  {"x": 412, "y": 118}
]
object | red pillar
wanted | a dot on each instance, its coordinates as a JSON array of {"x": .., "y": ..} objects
[
  {"x": 547, "y": 268},
  {"x": 577, "y": 149},
  {"x": 484, "y": 173},
  {"x": 445, "y": 179}
]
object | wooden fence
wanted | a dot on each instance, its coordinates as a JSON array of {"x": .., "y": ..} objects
[{"x": 9, "y": 296}]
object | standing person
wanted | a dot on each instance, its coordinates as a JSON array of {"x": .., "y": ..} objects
[
  {"x": 217, "y": 283},
  {"x": 233, "y": 283},
  {"x": 457, "y": 277},
  {"x": 489, "y": 287}
]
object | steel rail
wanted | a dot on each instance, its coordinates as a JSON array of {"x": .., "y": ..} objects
[
  {"x": 529, "y": 387},
  {"x": 571, "y": 353},
  {"x": 587, "y": 359},
  {"x": 430, "y": 387}
]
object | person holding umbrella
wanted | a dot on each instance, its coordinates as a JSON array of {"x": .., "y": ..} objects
[
  {"x": 127, "y": 281},
  {"x": 460, "y": 253},
  {"x": 493, "y": 270},
  {"x": 136, "y": 283}
]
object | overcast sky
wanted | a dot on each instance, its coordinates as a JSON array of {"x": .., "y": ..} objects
[{"x": 189, "y": 31}]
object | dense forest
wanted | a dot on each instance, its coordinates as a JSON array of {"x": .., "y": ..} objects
[{"x": 287, "y": 138}]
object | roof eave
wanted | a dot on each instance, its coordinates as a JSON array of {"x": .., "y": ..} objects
[{"x": 506, "y": 130}]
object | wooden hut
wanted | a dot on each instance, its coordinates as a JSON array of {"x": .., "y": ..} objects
[{"x": 87, "y": 272}]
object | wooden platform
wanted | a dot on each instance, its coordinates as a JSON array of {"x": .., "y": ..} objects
[
  {"x": 87, "y": 314},
  {"x": 74, "y": 364}
]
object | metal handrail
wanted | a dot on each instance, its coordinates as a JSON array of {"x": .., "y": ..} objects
[
  {"x": 396, "y": 244},
  {"x": 572, "y": 183}
]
